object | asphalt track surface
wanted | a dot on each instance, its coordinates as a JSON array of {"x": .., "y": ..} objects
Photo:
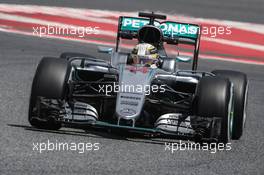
[{"x": 19, "y": 56}]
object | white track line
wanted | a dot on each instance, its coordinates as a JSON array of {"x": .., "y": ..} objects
[
  {"x": 235, "y": 43},
  {"x": 84, "y": 13},
  {"x": 18, "y": 18}
]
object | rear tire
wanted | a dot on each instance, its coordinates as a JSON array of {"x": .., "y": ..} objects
[
  {"x": 240, "y": 84},
  {"x": 50, "y": 82},
  {"x": 214, "y": 95},
  {"x": 68, "y": 55}
]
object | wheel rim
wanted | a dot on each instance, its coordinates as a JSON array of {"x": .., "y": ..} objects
[
  {"x": 230, "y": 121},
  {"x": 245, "y": 106}
]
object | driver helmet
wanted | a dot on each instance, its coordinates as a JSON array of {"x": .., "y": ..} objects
[{"x": 145, "y": 53}]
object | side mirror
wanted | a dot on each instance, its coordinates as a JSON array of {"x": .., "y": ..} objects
[
  {"x": 184, "y": 59},
  {"x": 102, "y": 49}
]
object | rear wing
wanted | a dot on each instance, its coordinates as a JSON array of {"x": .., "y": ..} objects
[{"x": 173, "y": 32}]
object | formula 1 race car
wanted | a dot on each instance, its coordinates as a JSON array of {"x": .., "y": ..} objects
[{"x": 80, "y": 91}]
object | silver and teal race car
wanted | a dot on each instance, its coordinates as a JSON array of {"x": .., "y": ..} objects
[{"x": 81, "y": 91}]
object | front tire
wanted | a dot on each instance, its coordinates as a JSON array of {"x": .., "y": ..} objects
[
  {"x": 49, "y": 82},
  {"x": 214, "y": 99},
  {"x": 240, "y": 84}
]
